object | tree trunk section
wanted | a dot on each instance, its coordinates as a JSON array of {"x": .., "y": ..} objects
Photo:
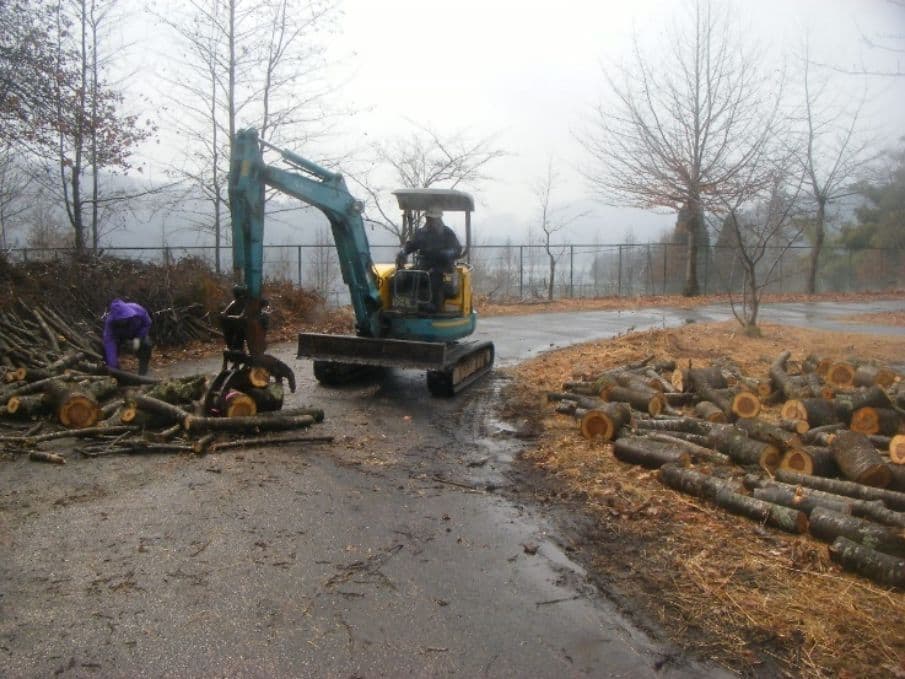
[
  {"x": 784, "y": 518},
  {"x": 74, "y": 409},
  {"x": 743, "y": 450},
  {"x": 811, "y": 460},
  {"x": 841, "y": 375},
  {"x": 858, "y": 460},
  {"x": 241, "y": 424},
  {"x": 800, "y": 499},
  {"x": 828, "y": 525},
  {"x": 647, "y": 453},
  {"x": 690, "y": 481},
  {"x": 897, "y": 449},
  {"x": 649, "y": 401},
  {"x": 870, "y": 420},
  {"x": 892, "y": 499},
  {"x": 883, "y": 569},
  {"x": 605, "y": 422},
  {"x": 709, "y": 411}
]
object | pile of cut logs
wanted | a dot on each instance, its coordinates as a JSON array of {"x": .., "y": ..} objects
[
  {"x": 54, "y": 385},
  {"x": 830, "y": 462}
]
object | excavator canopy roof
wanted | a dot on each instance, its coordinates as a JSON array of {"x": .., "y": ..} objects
[{"x": 447, "y": 200}]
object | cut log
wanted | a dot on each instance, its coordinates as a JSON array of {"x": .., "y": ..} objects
[
  {"x": 869, "y": 509},
  {"x": 790, "y": 388},
  {"x": 743, "y": 450},
  {"x": 847, "y": 404},
  {"x": 42, "y": 456},
  {"x": 268, "y": 399},
  {"x": 897, "y": 449},
  {"x": 256, "y": 423},
  {"x": 170, "y": 412},
  {"x": 649, "y": 401},
  {"x": 840, "y": 375},
  {"x": 26, "y": 407},
  {"x": 733, "y": 401},
  {"x": 605, "y": 422},
  {"x": 179, "y": 391},
  {"x": 698, "y": 452},
  {"x": 693, "y": 379},
  {"x": 690, "y": 481},
  {"x": 892, "y": 499},
  {"x": 812, "y": 460},
  {"x": 73, "y": 408},
  {"x": 800, "y": 499},
  {"x": 647, "y": 453},
  {"x": 815, "y": 411},
  {"x": 870, "y": 420},
  {"x": 828, "y": 525},
  {"x": 258, "y": 377},
  {"x": 784, "y": 518},
  {"x": 237, "y": 404},
  {"x": 867, "y": 375},
  {"x": 768, "y": 433},
  {"x": 896, "y": 477},
  {"x": 795, "y": 426},
  {"x": 884, "y": 569},
  {"x": 709, "y": 411},
  {"x": 688, "y": 425},
  {"x": 816, "y": 364},
  {"x": 858, "y": 460}
]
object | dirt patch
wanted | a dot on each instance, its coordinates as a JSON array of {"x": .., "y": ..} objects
[{"x": 723, "y": 587}]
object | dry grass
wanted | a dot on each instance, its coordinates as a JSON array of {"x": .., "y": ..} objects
[{"x": 754, "y": 599}]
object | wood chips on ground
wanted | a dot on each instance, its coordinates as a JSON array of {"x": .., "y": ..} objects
[{"x": 758, "y": 601}]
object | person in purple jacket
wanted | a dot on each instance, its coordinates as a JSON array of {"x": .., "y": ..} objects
[{"x": 126, "y": 326}]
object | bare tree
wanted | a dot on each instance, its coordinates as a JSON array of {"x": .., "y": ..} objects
[
  {"x": 759, "y": 226},
  {"x": 552, "y": 219},
  {"x": 15, "y": 183},
  {"x": 424, "y": 159},
  {"x": 833, "y": 153},
  {"x": 244, "y": 63},
  {"x": 684, "y": 124},
  {"x": 90, "y": 130},
  {"x": 891, "y": 44}
]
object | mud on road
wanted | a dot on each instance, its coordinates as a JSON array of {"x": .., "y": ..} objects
[{"x": 401, "y": 548}]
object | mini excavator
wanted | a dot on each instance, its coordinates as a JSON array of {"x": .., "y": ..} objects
[{"x": 395, "y": 325}]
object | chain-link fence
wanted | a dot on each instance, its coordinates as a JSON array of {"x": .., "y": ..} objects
[{"x": 511, "y": 272}]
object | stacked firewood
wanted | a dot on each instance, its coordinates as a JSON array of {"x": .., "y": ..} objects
[{"x": 816, "y": 447}]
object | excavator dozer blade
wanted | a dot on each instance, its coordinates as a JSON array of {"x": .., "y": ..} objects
[{"x": 387, "y": 353}]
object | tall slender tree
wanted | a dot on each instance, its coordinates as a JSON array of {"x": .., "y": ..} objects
[
  {"x": 683, "y": 122},
  {"x": 244, "y": 63}
]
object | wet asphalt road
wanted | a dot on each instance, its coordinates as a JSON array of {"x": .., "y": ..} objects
[{"x": 394, "y": 551}]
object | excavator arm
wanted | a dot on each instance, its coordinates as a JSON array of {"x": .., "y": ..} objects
[{"x": 249, "y": 176}]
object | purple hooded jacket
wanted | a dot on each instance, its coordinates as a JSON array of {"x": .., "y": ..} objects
[{"x": 124, "y": 321}]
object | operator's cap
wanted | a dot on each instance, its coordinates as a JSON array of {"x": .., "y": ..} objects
[{"x": 433, "y": 212}]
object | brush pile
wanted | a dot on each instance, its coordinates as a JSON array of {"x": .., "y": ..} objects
[
  {"x": 54, "y": 385},
  {"x": 814, "y": 447}
]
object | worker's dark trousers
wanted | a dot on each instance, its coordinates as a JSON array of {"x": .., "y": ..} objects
[{"x": 143, "y": 354}]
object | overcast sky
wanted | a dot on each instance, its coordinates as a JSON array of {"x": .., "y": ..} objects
[{"x": 531, "y": 71}]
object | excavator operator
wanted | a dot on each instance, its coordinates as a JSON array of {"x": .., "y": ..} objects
[{"x": 437, "y": 247}]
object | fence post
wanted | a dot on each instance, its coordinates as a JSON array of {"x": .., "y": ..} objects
[
  {"x": 299, "y": 256},
  {"x": 619, "y": 278},
  {"x": 665, "y": 259},
  {"x": 521, "y": 271},
  {"x": 706, "y": 268},
  {"x": 571, "y": 271}
]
